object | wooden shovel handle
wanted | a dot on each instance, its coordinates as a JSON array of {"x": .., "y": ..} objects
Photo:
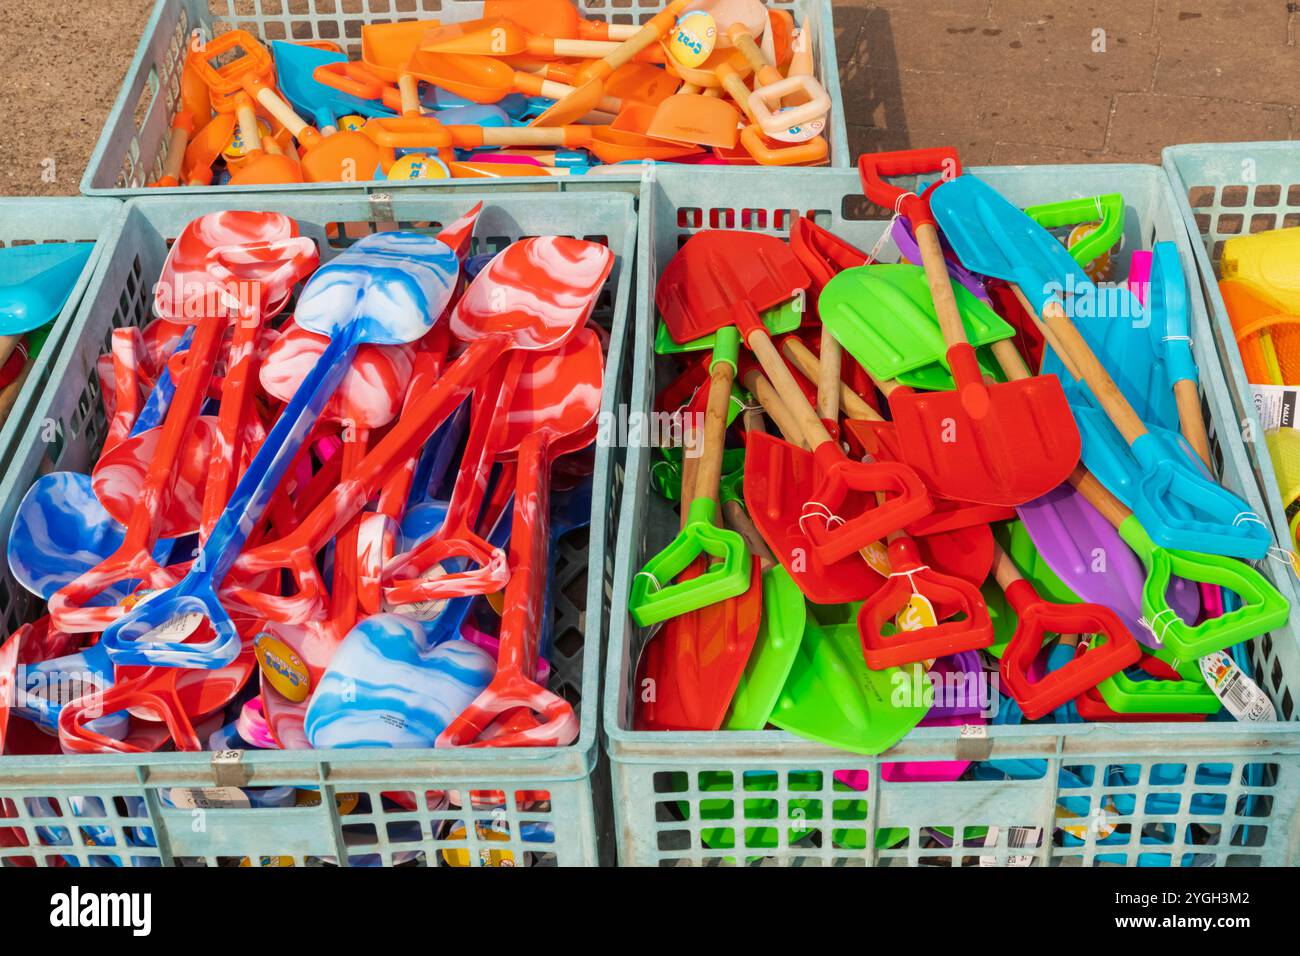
[
  {"x": 1009, "y": 357},
  {"x": 650, "y": 32},
  {"x": 174, "y": 164},
  {"x": 1082, "y": 363},
  {"x": 745, "y": 43},
  {"x": 1005, "y": 571},
  {"x": 283, "y": 112},
  {"x": 709, "y": 468},
  {"x": 1190, "y": 420},
  {"x": 828, "y": 377},
  {"x": 810, "y": 365},
  {"x": 814, "y": 432},
  {"x": 936, "y": 276},
  {"x": 755, "y": 381},
  {"x": 1097, "y": 495},
  {"x": 248, "y": 129}
]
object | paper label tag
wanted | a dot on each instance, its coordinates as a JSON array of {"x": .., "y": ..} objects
[
  {"x": 1079, "y": 827},
  {"x": 1276, "y": 405},
  {"x": 1244, "y": 699},
  {"x": 917, "y": 615},
  {"x": 422, "y": 610},
  {"x": 175, "y": 630},
  {"x": 209, "y": 798},
  {"x": 973, "y": 732},
  {"x": 877, "y": 558}
]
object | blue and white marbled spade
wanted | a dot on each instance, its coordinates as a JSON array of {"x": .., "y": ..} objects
[
  {"x": 62, "y": 531},
  {"x": 394, "y": 283},
  {"x": 386, "y": 688}
]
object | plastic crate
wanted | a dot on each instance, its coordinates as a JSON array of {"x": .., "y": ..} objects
[
  {"x": 131, "y": 148},
  {"x": 1224, "y": 190},
  {"x": 506, "y": 790},
  {"x": 28, "y": 221},
  {"x": 771, "y": 798}
]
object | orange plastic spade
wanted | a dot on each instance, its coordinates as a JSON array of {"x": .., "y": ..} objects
[
  {"x": 344, "y": 156},
  {"x": 586, "y": 97},
  {"x": 204, "y": 149},
  {"x": 556, "y": 18},
  {"x": 497, "y": 36},
  {"x": 192, "y": 114}
]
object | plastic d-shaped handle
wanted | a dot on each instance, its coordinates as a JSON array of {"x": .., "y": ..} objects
[
  {"x": 1069, "y": 212},
  {"x": 972, "y": 629},
  {"x": 874, "y": 167},
  {"x": 1262, "y": 607},
  {"x": 1187, "y": 695},
  {"x": 1036, "y": 621},
  {"x": 834, "y": 536},
  {"x": 652, "y": 601}
]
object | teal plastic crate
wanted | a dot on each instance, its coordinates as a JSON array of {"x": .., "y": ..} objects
[
  {"x": 131, "y": 148},
  {"x": 32, "y": 220},
  {"x": 543, "y": 805},
  {"x": 1153, "y": 794},
  {"x": 1224, "y": 190}
]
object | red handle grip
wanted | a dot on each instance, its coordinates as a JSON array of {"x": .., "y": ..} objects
[{"x": 874, "y": 167}]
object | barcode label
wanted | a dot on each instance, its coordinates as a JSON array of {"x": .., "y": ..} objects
[
  {"x": 1241, "y": 695},
  {"x": 1024, "y": 836}
]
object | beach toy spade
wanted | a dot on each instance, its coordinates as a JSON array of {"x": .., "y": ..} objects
[
  {"x": 719, "y": 279},
  {"x": 1036, "y": 621},
  {"x": 970, "y": 444},
  {"x": 294, "y": 65},
  {"x": 553, "y": 412},
  {"x": 62, "y": 531},
  {"x": 781, "y": 631},
  {"x": 1261, "y": 608},
  {"x": 35, "y": 282},
  {"x": 1174, "y": 501},
  {"x": 586, "y": 97},
  {"x": 834, "y": 698},
  {"x": 388, "y": 288},
  {"x": 386, "y": 687},
  {"x": 919, "y": 613},
  {"x": 213, "y": 255}
]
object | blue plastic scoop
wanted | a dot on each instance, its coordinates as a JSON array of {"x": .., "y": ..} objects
[{"x": 35, "y": 282}]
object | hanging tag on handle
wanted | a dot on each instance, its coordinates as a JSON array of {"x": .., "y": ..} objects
[{"x": 1244, "y": 699}]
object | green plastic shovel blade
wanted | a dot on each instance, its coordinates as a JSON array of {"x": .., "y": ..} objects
[
  {"x": 785, "y": 616},
  {"x": 786, "y": 317},
  {"x": 884, "y": 317},
  {"x": 832, "y": 697}
]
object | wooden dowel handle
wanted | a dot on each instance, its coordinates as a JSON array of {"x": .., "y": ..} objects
[
  {"x": 1096, "y": 494},
  {"x": 1190, "y": 419},
  {"x": 771, "y": 402},
  {"x": 739, "y": 521},
  {"x": 1005, "y": 571},
  {"x": 936, "y": 276},
  {"x": 855, "y": 406},
  {"x": 810, "y": 426},
  {"x": 709, "y": 472}
]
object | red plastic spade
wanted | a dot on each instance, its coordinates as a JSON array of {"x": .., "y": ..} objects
[
  {"x": 1036, "y": 621},
  {"x": 555, "y": 405},
  {"x": 970, "y": 444}
]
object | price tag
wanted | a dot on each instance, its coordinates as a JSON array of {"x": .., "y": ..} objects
[{"x": 1244, "y": 699}]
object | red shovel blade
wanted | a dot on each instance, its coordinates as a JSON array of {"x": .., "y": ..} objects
[
  {"x": 1023, "y": 445},
  {"x": 880, "y": 440},
  {"x": 779, "y": 480},
  {"x": 718, "y": 269},
  {"x": 697, "y": 660},
  {"x": 823, "y": 253}
]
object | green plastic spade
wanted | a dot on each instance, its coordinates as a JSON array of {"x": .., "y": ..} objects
[
  {"x": 653, "y": 598},
  {"x": 666, "y": 473},
  {"x": 1107, "y": 209},
  {"x": 784, "y": 318},
  {"x": 780, "y": 633},
  {"x": 884, "y": 317},
  {"x": 832, "y": 697}
]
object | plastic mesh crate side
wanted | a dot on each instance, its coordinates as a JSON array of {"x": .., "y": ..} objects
[{"x": 755, "y": 795}]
